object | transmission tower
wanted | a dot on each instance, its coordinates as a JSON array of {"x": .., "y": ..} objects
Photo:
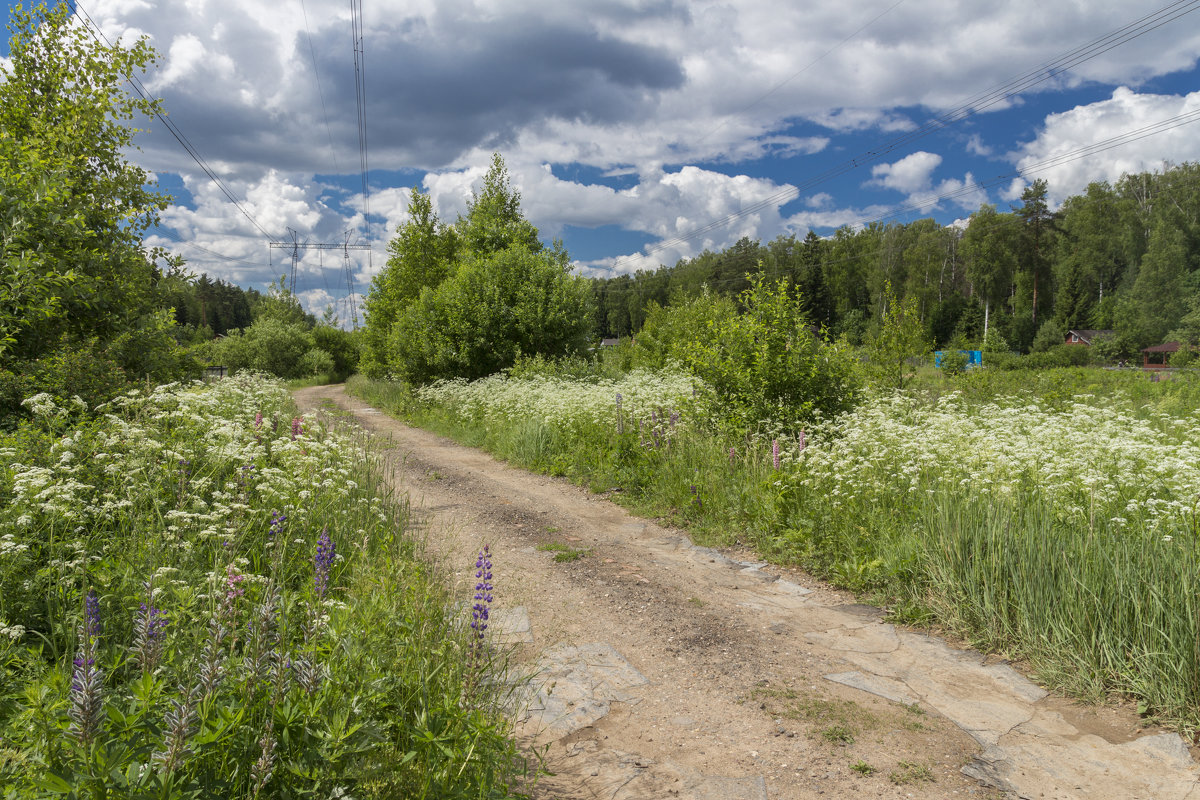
[{"x": 295, "y": 245}]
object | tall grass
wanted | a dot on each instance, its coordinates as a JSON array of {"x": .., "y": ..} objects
[
  {"x": 203, "y": 595},
  {"x": 1095, "y": 610},
  {"x": 1051, "y": 525}
]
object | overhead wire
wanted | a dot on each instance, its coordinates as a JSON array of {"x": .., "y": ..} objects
[
  {"x": 965, "y": 109},
  {"x": 312, "y": 52},
  {"x": 360, "y": 91},
  {"x": 138, "y": 87},
  {"x": 1127, "y": 137}
]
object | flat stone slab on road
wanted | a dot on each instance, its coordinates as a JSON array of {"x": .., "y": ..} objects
[
  {"x": 574, "y": 685},
  {"x": 617, "y": 775},
  {"x": 511, "y": 626}
]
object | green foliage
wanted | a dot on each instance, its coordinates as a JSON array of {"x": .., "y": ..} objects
[
  {"x": 765, "y": 363},
  {"x": 488, "y": 312},
  {"x": 269, "y": 345},
  {"x": 1049, "y": 336},
  {"x": 342, "y": 347},
  {"x": 421, "y": 255},
  {"x": 467, "y": 301},
  {"x": 73, "y": 208},
  {"x": 76, "y": 369},
  {"x": 494, "y": 222},
  {"x": 289, "y": 684},
  {"x": 900, "y": 341}
]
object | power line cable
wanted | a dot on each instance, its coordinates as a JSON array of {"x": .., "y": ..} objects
[
  {"x": 360, "y": 87},
  {"x": 138, "y": 87},
  {"x": 1127, "y": 137},
  {"x": 805, "y": 68},
  {"x": 320, "y": 91},
  {"x": 175, "y": 237},
  {"x": 973, "y": 105}
]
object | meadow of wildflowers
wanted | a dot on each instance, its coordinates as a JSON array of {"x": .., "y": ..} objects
[
  {"x": 203, "y": 595},
  {"x": 564, "y": 403},
  {"x": 1056, "y": 525}
]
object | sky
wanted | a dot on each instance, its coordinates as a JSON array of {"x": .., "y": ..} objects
[{"x": 640, "y": 132}]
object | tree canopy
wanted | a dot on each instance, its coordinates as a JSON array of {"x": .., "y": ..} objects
[
  {"x": 73, "y": 208},
  {"x": 465, "y": 300}
]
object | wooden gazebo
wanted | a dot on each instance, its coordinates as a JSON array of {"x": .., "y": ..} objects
[{"x": 1156, "y": 357}]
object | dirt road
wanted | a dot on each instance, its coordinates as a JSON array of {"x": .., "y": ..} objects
[{"x": 666, "y": 670}]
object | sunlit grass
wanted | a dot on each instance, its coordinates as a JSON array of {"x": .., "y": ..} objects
[{"x": 1057, "y": 525}]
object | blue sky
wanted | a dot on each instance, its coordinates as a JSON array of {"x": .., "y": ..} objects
[{"x": 629, "y": 125}]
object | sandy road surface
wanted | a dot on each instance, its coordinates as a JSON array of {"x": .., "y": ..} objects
[{"x": 666, "y": 670}]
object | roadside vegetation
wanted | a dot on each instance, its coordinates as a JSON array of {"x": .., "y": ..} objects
[
  {"x": 204, "y": 595},
  {"x": 1052, "y": 520}
]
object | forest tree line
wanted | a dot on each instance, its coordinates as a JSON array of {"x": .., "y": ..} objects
[{"x": 1123, "y": 257}]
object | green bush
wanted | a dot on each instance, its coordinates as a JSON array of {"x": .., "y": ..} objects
[
  {"x": 342, "y": 346},
  {"x": 491, "y": 310},
  {"x": 315, "y": 362},
  {"x": 269, "y": 345},
  {"x": 763, "y": 364}
]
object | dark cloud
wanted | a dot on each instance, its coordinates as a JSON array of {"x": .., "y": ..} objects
[{"x": 433, "y": 92}]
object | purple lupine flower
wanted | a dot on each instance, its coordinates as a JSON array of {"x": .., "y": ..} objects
[
  {"x": 149, "y": 624},
  {"x": 275, "y": 531},
  {"x": 674, "y": 418},
  {"x": 480, "y": 612},
  {"x": 258, "y": 420},
  {"x": 483, "y": 593},
  {"x": 323, "y": 563},
  {"x": 92, "y": 626},
  {"x": 803, "y": 441},
  {"x": 696, "y": 498},
  {"x": 732, "y": 456},
  {"x": 297, "y": 427},
  {"x": 86, "y": 710},
  {"x": 775, "y": 454},
  {"x": 620, "y": 418}
]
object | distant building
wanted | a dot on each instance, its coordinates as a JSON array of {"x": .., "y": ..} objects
[
  {"x": 1086, "y": 338},
  {"x": 609, "y": 342},
  {"x": 1156, "y": 357}
]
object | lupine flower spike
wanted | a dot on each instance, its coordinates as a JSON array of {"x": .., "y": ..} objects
[
  {"x": 148, "y": 633},
  {"x": 480, "y": 612},
  {"x": 775, "y": 454},
  {"x": 323, "y": 563},
  {"x": 181, "y": 723},
  {"x": 86, "y": 711},
  {"x": 275, "y": 531}
]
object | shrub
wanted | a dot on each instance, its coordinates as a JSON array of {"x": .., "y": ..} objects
[
  {"x": 491, "y": 310},
  {"x": 765, "y": 363},
  {"x": 315, "y": 362}
]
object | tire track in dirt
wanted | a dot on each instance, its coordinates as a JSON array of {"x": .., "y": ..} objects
[{"x": 668, "y": 670}]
